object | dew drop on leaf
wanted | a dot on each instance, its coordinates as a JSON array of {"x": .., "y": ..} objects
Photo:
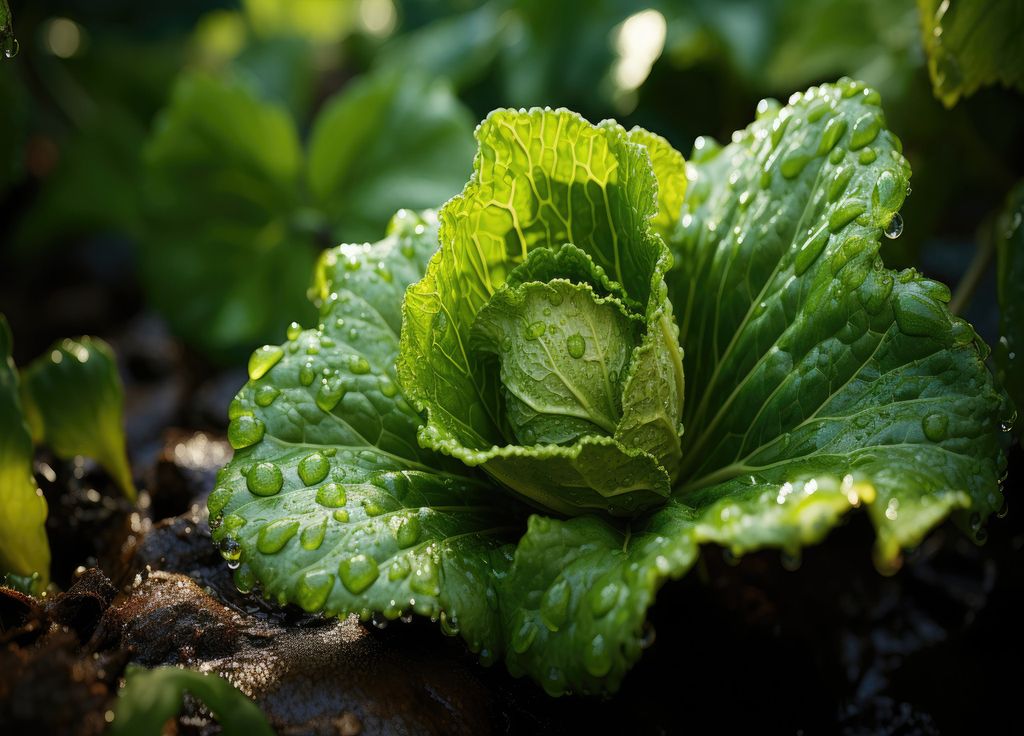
[
  {"x": 575, "y": 345},
  {"x": 245, "y": 431},
  {"x": 358, "y": 573},
  {"x": 895, "y": 227},
  {"x": 935, "y": 426},
  {"x": 313, "y": 468},
  {"x": 264, "y": 479},
  {"x": 263, "y": 359},
  {"x": 331, "y": 495}
]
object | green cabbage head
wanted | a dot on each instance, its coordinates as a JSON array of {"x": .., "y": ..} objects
[{"x": 540, "y": 343}]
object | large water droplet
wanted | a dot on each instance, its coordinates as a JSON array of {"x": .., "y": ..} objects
[
  {"x": 264, "y": 479},
  {"x": 895, "y": 227},
  {"x": 358, "y": 573},
  {"x": 275, "y": 535},
  {"x": 306, "y": 374},
  {"x": 313, "y": 535},
  {"x": 576, "y": 345},
  {"x": 293, "y": 331},
  {"x": 314, "y": 468},
  {"x": 11, "y": 47},
  {"x": 263, "y": 359},
  {"x": 554, "y": 606},
  {"x": 313, "y": 589},
  {"x": 245, "y": 431},
  {"x": 524, "y": 636},
  {"x": 597, "y": 657},
  {"x": 603, "y": 599},
  {"x": 535, "y": 330},
  {"x": 399, "y": 569},
  {"x": 331, "y": 495},
  {"x": 358, "y": 364},
  {"x": 407, "y": 530},
  {"x": 230, "y": 549},
  {"x": 935, "y": 426},
  {"x": 265, "y": 395},
  {"x": 425, "y": 580}
]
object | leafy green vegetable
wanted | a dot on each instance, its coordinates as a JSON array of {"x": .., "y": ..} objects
[
  {"x": 972, "y": 44},
  {"x": 549, "y": 262},
  {"x": 74, "y": 402},
  {"x": 24, "y": 548},
  {"x": 235, "y": 163},
  {"x": 150, "y": 698},
  {"x": 1010, "y": 254},
  {"x": 817, "y": 382}
]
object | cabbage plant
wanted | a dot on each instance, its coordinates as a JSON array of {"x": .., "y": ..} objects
[{"x": 490, "y": 426}]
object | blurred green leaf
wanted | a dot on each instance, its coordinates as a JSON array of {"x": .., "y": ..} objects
[
  {"x": 13, "y": 127},
  {"x": 74, "y": 401},
  {"x": 152, "y": 697},
  {"x": 24, "y": 548},
  {"x": 224, "y": 256},
  {"x": 389, "y": 141},
  {"x": 972, "y": 44},
  {"x": 1009, "y": 236}
]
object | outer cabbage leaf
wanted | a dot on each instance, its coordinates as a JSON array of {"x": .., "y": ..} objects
[
  {"x": 972, "y": 44},
  {"x": 24, "y": 548},
  {"x": 543, "y": 179},
  {"x": 329, "y": 501},
  {"x": 802, "y": 348},
  {"x": 74, "y": 401}
]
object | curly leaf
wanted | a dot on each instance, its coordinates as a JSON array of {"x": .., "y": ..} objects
[
  {"x": 24, "y": 548},
  {"x": 972, "y": 44},
  {"x": 550, "y": 181},
  {"x": 75, "y": 404}
]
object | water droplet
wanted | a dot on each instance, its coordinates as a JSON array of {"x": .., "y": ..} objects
[
  {"x": 263, "y": 359},
  {"x": 244, "y": 578},
  {"x": 388, "y": 387},
  {"x": 603, "y": 599},
  {"x": 834, "y": 130},
  {"x": 265, "y": 395},
  {"x": 918, "y": 315},
  {"x": 935, "y": 426},
  {"x": 793, "y": 164},
  {"x": 306, "y": 374},
  {"x": 867, "y": 156},
  {"x": 400, "y": 570},
  {"x": 275, "y": 535},
  {"x": 449, "y": 624},
  {"x": 330, "y": 394},
  {"x": 313, "y": 535},
  {"x": 597, "y": 657},
  {"x": 340, "y": 515},
  {"x": 313, "y": 589},
  {"x": 524, "y": 635},
  {"x": 313, "y": 468},
  {"x": 293, "y": 331},
  {"x": 245, "y": 431},
  {"x": 895, "y": 227},
  {"x": 425, "y": 580},
  {"x": 11, "y": 47},
  {"x": 844, "y": 214},
  {"x": 230, "y": 549},
  {"x": 372, "y": 507},
  {"x": 358, "y": 573},
  {"x": 264, "y": 479},
  {"x": 217, "y": 500},
  {"x": 358, "y": 364},
  {"x": 407, "y": 530},
  {"x": 865, "y": 130},
  {"x": 535, "y": 330},
  {"x": 576, "y": 345},
  {"x": 331, "y": 495},
  {"x": 554, "y": 606}
]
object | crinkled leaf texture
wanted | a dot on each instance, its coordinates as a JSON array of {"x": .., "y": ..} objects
[
  {"x": 817, "y": 381},
  {"x": 24, "y": 548},
  {"x": 550, "y": 260},
  {"x": 74, "y": 402}
]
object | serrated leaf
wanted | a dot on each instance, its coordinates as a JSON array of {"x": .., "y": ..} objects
[
  {"x": 972, "y": 44},
  {"x": 24, "y": 548},
  {"x": 74, "y": 399}
]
